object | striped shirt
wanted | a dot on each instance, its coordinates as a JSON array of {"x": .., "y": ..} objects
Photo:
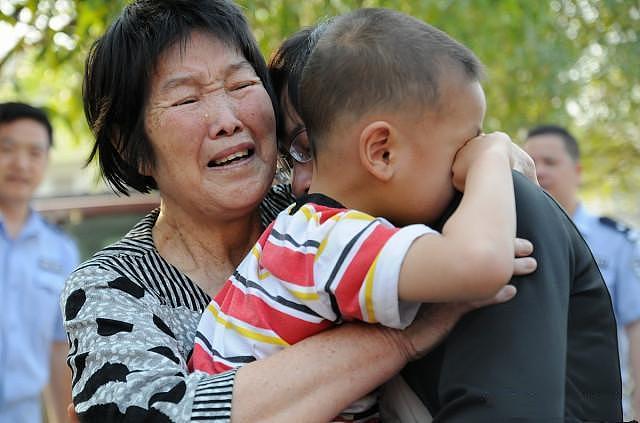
[
  {"x": 317, "y": 265},
  {"x": 131, "y": 319}
]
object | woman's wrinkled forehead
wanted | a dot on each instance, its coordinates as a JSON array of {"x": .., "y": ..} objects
[{"x": 182, "y": 43}]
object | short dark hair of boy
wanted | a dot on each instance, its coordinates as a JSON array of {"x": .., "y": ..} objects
[
  {"x": 569, "y": 141},
  {"x": 377, "y": 59},
  {"x": 119, "y": 68},
  {"x": 13, "y": 111}
]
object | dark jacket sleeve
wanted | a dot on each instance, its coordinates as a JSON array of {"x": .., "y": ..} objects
[{"x": 548, "y": 355}]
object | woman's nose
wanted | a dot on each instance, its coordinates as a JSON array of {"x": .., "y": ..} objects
[{"x": 222, "y": 118}]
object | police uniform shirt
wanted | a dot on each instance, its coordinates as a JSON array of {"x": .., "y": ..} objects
[
  {"x": 615, "y": 249},
  {"x": 33, "y": 268}
]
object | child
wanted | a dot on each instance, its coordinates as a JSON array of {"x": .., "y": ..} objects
[{"x": 393, "y": 108}]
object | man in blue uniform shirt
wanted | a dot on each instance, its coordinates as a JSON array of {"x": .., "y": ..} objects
[
  {"x": 35, "y": 259},
  {"x": 557, "y": 158}
]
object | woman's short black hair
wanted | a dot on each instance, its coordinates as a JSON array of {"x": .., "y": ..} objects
[
  {"x": 285, "y": 69},
  {"x": 12, "y": 111},
  {"x": 118, "y": 75}
]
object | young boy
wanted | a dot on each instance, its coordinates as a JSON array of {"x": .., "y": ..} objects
[{"x": 393, "y": 109}]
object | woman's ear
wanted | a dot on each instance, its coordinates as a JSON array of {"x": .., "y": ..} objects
[{"x": 376, "y": 150}]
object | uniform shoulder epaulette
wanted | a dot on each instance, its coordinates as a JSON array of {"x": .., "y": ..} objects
[
  {"x": 625, "y": 230},
  {"x": 53, "y": 226}
]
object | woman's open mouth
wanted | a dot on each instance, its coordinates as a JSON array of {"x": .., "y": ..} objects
[{"x": 231, "y": 158}]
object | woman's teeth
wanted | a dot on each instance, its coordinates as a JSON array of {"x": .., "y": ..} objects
[{"x": 229, "y": 158}]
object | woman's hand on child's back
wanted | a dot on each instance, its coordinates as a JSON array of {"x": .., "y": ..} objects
[
  {"x": 436, "y": 320},
  {"x": 523, "y": 263},
  {"x": 523, "y": 163}
]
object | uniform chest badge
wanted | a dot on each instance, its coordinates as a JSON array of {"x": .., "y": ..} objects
[{"x": 50, "y": 266}]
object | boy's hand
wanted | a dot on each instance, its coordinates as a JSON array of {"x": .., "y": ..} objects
[{"x": 474, "y": 150}]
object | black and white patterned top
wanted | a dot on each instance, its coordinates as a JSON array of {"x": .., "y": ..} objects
[{"x": 131, "y": 319}]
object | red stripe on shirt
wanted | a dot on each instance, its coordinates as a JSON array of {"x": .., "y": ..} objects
[
  {"x": 265, "y": 235},
  {"x": 325, "y": 213},
  {"x": 203, "y": 361},
  {"x": 254, "y": 311},
  {"x": 289, "y": 265},
  {"x": 348, "y": 289}
]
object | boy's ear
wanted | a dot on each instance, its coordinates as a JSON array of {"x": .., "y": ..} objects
[{"x": 376, "y": 148}]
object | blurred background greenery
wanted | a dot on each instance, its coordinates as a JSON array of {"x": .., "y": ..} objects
[{"x": 571, "y": 62}]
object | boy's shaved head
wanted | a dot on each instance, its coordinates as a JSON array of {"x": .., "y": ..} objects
[{"x": 374, "y": 60}]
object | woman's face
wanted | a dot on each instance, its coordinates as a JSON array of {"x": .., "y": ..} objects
[
  {"x": 212, "y": 128},
  {"x": 301, "y": 172}
]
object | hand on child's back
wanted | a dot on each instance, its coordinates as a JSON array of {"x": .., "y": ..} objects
[{"x": 475, "y": 150}]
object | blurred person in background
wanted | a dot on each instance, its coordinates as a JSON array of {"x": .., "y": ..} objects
[
  {"x": 557, "y": 158},
  {"x": 35, "y": 259}
]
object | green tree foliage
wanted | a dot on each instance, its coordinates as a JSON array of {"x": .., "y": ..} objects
[{"x": 572, "y": 62}]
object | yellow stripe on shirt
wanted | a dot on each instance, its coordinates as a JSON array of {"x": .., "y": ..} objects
[
  {"x": 368, "y": 291},
  {"x": 309, "y": 213},
  {"x": 305, "y": 296},
  {"x": 247, "y": 333},
  {"x": 255, "y": 251},
  {"x": 356, "y": 215},
  {"x": 321, "y": 248}
]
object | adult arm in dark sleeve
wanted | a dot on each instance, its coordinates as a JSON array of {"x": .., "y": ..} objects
[{"x": 548, "y": 355}]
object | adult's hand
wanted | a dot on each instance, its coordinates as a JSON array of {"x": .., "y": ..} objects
[
  {"x": 520, "y": 161},
  {"x": 434, "y": 322},
  {"x": 476, "y": 151},
  {"x": 523, "y": 264},
  {"x": 523, "y": 163}
]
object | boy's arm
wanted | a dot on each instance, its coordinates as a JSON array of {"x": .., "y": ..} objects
[
  {"x": 326, "y": 371},
  {"x": 473, "y": 258}
]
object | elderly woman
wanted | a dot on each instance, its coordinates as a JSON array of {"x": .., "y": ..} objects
[{"x": 177, "y": 96}]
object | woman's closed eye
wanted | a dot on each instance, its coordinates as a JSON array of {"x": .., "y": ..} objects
[
  {"x": 244, "y": 84},
  {"x": 184, "y": 101}
]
